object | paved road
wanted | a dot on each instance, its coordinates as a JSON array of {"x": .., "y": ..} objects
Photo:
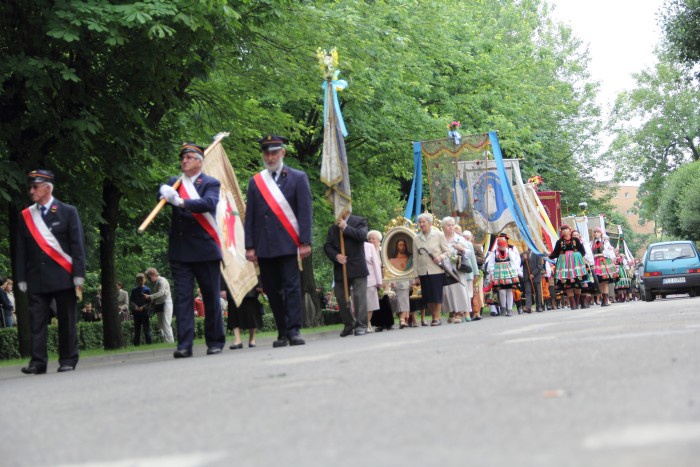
[{"x": 600, "y": 387}]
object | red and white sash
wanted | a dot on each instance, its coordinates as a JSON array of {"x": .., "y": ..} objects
[
  {"x": 45, "y": 238},
  {"x": 205, "y": 219},
  {"x": 278, "y": 203}
]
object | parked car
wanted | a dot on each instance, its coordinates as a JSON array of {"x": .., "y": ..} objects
[{"x": 670, "y": 268}]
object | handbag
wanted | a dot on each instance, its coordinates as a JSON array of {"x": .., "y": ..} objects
[{"x": 463, "y": 264}]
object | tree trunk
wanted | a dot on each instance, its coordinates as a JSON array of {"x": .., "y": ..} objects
[
  {"x": 111, "y": 320},
  {"x": 311, "y": 305}
]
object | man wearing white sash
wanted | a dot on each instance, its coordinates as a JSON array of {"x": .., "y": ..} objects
[
  {"x": 50, "y": 266},
  {"x": 278, "y": 232},
  {"x": 194, "y": 251}
]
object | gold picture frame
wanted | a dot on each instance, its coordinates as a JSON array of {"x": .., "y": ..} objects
[{"x": 397, "y": 259}]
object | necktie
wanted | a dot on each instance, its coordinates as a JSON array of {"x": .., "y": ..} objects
[
  {"x": 43, "y": 212},
  {"x": 274, "y": 176}
]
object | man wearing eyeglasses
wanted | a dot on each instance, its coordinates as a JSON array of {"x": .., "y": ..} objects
[
  {"x": 194, "y": 251},
  {"x": 50, "y": 267}
]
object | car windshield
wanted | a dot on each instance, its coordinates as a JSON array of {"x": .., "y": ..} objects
[{"x": 671, "y": 252}]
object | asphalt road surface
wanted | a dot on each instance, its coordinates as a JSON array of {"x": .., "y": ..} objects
[{"x": 616, "y": 386}]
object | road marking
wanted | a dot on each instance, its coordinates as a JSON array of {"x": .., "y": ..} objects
[
  {"x": 525, "y": 329},
  {"x": 529, "y": 339},
  {"x": 635, "y": 335},
  {"x": 177, "y": 460},
  {"x": 644, "y": 435}
]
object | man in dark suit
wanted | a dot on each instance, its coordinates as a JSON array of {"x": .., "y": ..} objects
[
  {"x": 277, "y": 233},
  {"x": 533, "y": 267},
  {"x": 354, "y": 231},
  {"x": 50, "y": 266},
  {"x": 194, "y": 251}
]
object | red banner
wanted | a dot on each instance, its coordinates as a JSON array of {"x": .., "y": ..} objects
[{"x": 551, "y": 200}]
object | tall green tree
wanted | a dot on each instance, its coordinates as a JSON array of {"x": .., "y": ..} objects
[
  {"x": 656, "y": 128},
  {"x": 680, "y": 20},
  {"x": 86, "y": 87},
  {"x": 679, "y": 206}
]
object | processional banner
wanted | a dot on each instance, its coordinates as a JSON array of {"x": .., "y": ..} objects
[{"x": 238, "y": 273}]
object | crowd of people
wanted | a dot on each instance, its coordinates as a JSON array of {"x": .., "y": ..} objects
[
  {"x": 447, "y": 271},
  {"x": 454, "y": 277}
]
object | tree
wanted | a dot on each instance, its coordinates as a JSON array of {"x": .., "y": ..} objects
[
  {"x": 680, "y": 21},
  {"x": 679, "y": 207},
  {"x": 656, "y": 128},
  {"x": 86, "y": 87}
]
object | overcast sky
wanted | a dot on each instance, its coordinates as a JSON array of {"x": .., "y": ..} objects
[{"x": 621, "y": 35}]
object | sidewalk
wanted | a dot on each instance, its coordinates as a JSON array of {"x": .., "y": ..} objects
[{"x": 146, "y": 355}]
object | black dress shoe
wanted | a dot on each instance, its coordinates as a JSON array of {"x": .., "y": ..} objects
[
  {"x": 182, "y": 353},
  {"x": 296, "y": 340},
  {"x": 236, "y": 346},
  {"x": 346, "y": 332},
  {"x": 33, "y": 370},
  {"x": 213, "y": 350},
  {"x": 250, "y": 346},
  {"x": 360, "y": 332},
  {"x": 281, "y": 342},
  {"x": 63, "y": 368}
]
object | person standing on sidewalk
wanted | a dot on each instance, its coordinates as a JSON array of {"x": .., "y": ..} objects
[{"x": 162, "y": 303}]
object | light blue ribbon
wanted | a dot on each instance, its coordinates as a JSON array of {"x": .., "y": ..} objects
[
  {"x": 337, "y": 84},
  {"x": 509, "y": 196},
  {"x": 415, "y": 198}
]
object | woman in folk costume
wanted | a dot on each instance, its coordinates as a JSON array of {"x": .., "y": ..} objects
[
  {"x": 624, "y": 282},
  {"x": 589, "y": 285},
  {"x": 604, "y": 264},
  {"x": 571, "y": 269},
  {"x": 504, "y": 267}
]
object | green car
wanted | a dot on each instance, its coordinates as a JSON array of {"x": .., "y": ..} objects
[{"x": 670, "y": 268}]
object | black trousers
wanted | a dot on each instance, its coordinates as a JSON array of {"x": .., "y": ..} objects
[
  {"x": 528, "y": 292},
  {"x": 281, "y": 282},
  {"x": 141, "y": 321},
  {"x": 208, "y": 275},
  {"x": 39, "y": 307}
]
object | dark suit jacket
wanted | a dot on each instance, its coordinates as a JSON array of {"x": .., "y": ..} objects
[
  {"x": 263, "y": 230},
  {"x": 354, "y": 236},
  {"x": 41, "y": 273},
  {"x": 536, "y": 266},
  {"x": 189, "y": 242}
]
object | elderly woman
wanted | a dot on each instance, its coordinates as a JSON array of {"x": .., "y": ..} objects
[
  {"x": 429, "y": 250},
  {"x": 383, "y": 317},
  {"x": 457, "y": 301},
  {"x": 374, "y": 280}
]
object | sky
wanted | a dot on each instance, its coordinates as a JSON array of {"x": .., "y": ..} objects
[{"x": 621, "y": 35}]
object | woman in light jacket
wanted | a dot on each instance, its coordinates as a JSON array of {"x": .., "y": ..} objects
[
  {"x": 457, "y": 301},
  {"x": 374, "y": 281},
  {"x": 430, "y": 241}
]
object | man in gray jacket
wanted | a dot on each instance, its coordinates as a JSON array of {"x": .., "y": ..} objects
[{"x": 162, "y": 303}]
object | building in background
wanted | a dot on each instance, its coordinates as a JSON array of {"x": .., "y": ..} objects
[{"x": 623, "y": 202}]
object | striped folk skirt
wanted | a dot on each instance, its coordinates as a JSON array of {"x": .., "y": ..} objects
[
  {"x": 605, "y": 269},
  {"x": 570, "y": 270},
  {"x": 504, "y": 275}
]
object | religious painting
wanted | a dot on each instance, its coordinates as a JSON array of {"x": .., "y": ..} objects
[{"x": 397, "y": 252}]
